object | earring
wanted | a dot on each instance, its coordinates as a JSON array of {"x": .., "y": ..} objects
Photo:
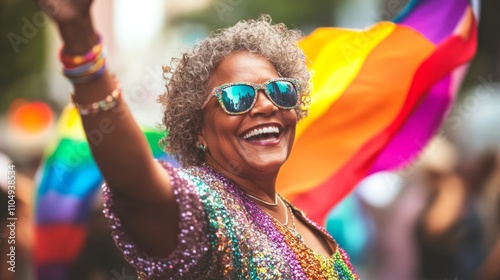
[{"x": 202, "y": 147}]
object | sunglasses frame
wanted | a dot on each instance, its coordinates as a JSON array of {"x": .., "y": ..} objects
[{"x": 217, "y": 92}]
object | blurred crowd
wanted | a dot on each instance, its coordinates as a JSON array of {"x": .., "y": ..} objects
[
  {"x": 444, "y": 222},
  {"x": 439, "y": 217}
]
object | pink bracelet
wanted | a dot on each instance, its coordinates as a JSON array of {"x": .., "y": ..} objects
[{"x": 72, "y": 61}]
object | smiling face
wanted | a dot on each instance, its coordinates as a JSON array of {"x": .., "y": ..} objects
[{"x": 253, "y": 144}]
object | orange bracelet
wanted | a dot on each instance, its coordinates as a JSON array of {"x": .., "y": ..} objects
[{"x": 75, "y": 61}]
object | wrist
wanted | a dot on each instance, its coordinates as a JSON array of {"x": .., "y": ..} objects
[{"x": 78, "y": 35}]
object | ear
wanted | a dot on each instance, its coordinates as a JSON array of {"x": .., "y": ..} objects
[
  {"x": 201, "y": 144},
  {"x": 201, "y": 139}
]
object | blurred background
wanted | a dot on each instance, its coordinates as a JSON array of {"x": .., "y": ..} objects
[{"x": 440, "y": 216}]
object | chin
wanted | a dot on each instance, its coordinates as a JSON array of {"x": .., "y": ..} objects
[{"x": 268, "y": 165}]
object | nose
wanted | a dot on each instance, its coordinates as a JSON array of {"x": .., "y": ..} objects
[{"x": 263, "y": 106}]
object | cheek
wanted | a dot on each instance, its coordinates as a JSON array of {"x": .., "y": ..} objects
[
  {"x": 291, "y": 117},
  {"x": 220, "y": 125}
]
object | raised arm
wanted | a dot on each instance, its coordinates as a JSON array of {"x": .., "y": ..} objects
[{"x": 143, "y": 197}]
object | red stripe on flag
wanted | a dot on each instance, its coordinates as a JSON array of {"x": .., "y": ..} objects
[{"x": 58, "y": 243}]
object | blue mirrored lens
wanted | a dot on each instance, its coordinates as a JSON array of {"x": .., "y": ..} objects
[
  {"x": 283, "y": 93},
  {"x": 238, "y": 98}
]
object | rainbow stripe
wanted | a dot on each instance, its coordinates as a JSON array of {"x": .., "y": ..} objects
[{"x": 379, "y": 96}]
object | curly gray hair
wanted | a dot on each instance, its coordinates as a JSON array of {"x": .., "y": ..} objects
[{"x": 187, "y": 84}]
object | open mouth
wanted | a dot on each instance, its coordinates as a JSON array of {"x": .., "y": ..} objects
[{"x": 263, "y": 133}]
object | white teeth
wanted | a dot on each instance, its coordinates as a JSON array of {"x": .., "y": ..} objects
[{"x": 258, "y": 131}]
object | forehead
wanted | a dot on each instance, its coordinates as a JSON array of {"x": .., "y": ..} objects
[{"x": 243, "y": 67}]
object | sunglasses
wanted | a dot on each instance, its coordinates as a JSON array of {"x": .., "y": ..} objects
[{"x": 239, "y": 98}]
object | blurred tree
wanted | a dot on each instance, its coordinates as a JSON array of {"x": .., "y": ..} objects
[
  {"x": 22, "y": 51},
  {"x": 390, "y": 8},
  {"x": 303, "y": 15},
  {"x": 487, "y": 61}
]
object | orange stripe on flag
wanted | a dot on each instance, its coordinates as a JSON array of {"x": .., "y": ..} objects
[{"x": 370, "y": 104}]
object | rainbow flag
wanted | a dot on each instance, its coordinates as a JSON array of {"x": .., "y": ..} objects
[
  {"x": 379, "y": 96},
  {"x": 69, "y": 182}
]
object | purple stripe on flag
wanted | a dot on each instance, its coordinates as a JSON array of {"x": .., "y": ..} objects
[
  {"x": 436, "y": 19},
  {"x": 53, "y": 207},
  {"x": 418, "y": 130},
  {"x": 53, "y": 271}
]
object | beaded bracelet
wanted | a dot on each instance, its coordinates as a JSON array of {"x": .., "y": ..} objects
[{"x": 106, "y": 104}]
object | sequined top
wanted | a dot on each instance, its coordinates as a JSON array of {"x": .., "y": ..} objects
[{"x": 225, "y": 235}]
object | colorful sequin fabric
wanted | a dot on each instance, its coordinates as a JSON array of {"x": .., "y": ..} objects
[{"x": 225, "y": 235}]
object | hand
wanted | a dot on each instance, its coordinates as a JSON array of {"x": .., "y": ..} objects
[
  {"x": 74, "y": 22},
  {"x": 65, "y": 11}
]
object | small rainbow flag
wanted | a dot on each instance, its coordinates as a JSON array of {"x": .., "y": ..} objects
[{"x": 68, "y": 186}]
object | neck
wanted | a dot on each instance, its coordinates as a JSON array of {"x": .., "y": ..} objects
[
  {"x": 258, "y": 184},
  {"x": 262, "y": 201}
]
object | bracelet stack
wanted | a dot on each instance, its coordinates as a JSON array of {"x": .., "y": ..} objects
[{"x": 84, "y": 68}]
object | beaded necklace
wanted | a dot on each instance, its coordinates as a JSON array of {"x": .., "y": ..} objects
[{"x": 294, "y": 230}]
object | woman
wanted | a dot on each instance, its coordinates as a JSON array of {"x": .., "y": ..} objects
[{"x": 231, "y": 107}]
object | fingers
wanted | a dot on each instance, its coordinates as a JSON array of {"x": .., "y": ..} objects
[
  {"x": 65, "y": 10},
  {"x": 52, "y": 7}
]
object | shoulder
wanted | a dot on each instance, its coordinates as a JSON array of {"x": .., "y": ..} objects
[{"x": 303, "y": 215}]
